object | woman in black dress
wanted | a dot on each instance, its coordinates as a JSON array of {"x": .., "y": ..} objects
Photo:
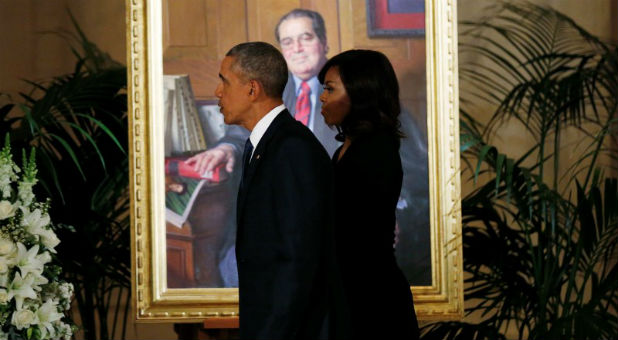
[{"x": 361, "y": 98}]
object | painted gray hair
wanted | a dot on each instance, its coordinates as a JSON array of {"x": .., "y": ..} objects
[{"x": 317, "y": 22}]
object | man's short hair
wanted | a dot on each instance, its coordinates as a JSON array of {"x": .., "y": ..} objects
[
  {"x": 316, "y": 21},
  {"x": 262, "y": 62}
]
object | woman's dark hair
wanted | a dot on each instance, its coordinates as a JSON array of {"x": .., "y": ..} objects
[{"x": 371, "y": 85}]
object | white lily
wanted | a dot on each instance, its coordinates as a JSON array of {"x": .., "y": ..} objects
[
  {"x": 21, "y": 288},
  {"x": 31, "y": 299},
  {"x": 49, "y": 239},
  {"x": 29, "y": 261},
  {"x": 38, "y": 281},
  {"x": 34, "y": 221},
  {"x": 47, "y": 314}
]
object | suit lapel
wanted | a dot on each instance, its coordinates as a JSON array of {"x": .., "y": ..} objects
[{"x": 260, "y": 150}]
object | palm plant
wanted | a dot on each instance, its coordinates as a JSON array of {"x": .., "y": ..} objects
[
  {"x": 77, "y": 123},
  {"x": 539, "y": 238}
]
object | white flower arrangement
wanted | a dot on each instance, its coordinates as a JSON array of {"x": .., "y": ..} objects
[{"x": 33, "y": 299}]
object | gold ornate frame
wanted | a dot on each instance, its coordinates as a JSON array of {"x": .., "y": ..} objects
[{"x": 154, "y": 302}]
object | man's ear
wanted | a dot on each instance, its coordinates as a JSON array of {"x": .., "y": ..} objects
[{"x": 256, "y": 88}]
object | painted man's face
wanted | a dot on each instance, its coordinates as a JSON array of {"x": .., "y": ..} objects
[{"x": 304, "y": 53}]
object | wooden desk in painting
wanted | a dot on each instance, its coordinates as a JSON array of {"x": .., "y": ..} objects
[{"x": 195, "y": 249}]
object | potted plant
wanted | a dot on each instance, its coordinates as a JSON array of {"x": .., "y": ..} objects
[
  {"x": 539, "y": 237},
  {"x": 77, "y": 123}
]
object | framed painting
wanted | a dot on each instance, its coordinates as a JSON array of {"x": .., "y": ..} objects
[
  {"x": 183, "y": 223},
  {"x": 395, "y": 18}
]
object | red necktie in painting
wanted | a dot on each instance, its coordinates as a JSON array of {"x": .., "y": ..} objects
[{"x": 303, "y": 104}]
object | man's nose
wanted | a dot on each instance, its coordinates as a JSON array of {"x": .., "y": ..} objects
[
  {"x": 218, "y": 91},
  {"x": 297, "y": 46}
]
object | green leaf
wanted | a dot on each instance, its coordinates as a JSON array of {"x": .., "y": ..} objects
[
  {"x": 499, "y": 161},
  {"x": 482, "y": 155},
  {"x": 537, "y": 259},
  {"x": 70, "y": 151},
  {"x": 85, "y": 134},
  {"x": 104, "y": 128}
]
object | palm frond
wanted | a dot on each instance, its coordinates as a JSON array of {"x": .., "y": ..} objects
[{"x": 539, "y": 254}]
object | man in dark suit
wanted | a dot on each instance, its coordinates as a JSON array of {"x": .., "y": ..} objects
[
  {"x": 284, "y": 237},
  {"x": 301, "y": 35}
]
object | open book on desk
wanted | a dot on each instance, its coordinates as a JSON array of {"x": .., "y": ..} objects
[{"x": 182, "y": 185}]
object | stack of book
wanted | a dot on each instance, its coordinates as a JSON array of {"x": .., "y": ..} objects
[
  {"x": 184, "y": 136},
  {"x": 183, "y": 130}
]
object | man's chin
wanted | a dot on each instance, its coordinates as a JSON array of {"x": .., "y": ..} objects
[
  {"x": 230, "y": 121},
  {"x": 305, "y": 75}
]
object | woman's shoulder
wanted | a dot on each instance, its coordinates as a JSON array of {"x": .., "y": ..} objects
[
  {"x": 379, "y": 141},
  {"x": 379, "y": 146},
  {"x": 374, "y": 156}
]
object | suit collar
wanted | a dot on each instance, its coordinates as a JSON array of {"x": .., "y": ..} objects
[
  {"x": 262, "y": 126},
  {"x": 262, "y": 146}
]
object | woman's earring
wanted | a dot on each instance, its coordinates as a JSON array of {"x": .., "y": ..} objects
[{"x": 340, "y": 137}]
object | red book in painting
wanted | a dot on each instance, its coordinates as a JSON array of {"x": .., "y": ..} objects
[
  {"x": 178, "y": 167},
  {"x": 183, "y": 185}
]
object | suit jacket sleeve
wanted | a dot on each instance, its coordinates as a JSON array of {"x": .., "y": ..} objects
[{"x": 303, "y": 217}]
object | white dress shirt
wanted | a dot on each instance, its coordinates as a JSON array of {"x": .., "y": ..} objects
[{"x": 261, "y": 126}]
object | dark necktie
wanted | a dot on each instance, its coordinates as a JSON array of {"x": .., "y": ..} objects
[
  {"x": 303, "y": 104},
  {"x": 246, "y": 160}
]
